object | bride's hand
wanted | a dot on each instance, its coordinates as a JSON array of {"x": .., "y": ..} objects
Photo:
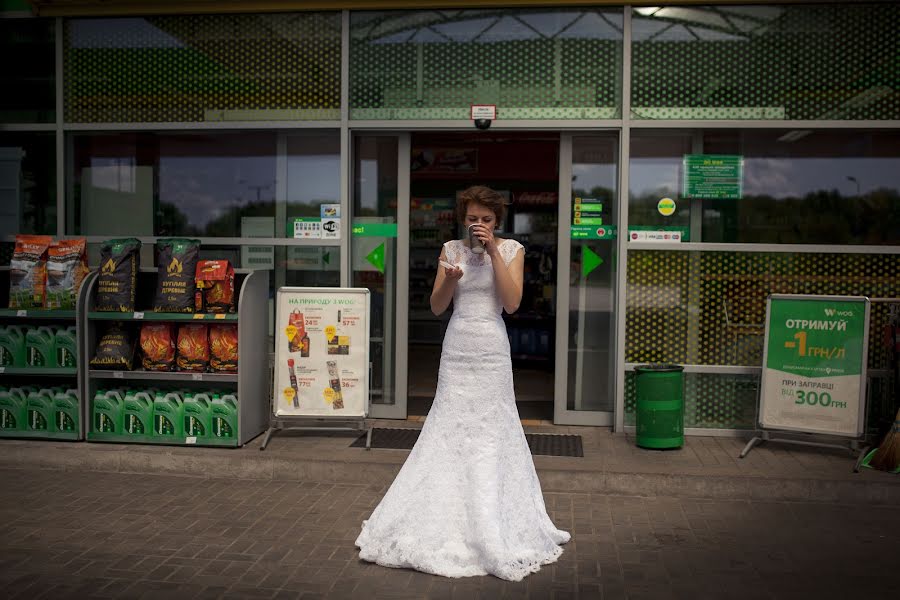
[
  {"x": 486, "y": 235},
  {"x": 454, "y": 274}
]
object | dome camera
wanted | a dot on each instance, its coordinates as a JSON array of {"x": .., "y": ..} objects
[{"x": 483, "y": 124}]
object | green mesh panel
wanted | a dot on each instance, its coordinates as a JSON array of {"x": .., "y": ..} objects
[
  {"x": 710, "y": 401},
  {"x": 830, "y": 61},
  {"x": 709, "y": 308},
  {"x": 532, "y": 64},
  {"x": 203, "y": 68}
]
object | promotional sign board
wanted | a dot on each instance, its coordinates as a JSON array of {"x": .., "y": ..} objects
[
  {"x": 715, "y": 176},
  {"x": 322, "y": 353},
  {"x": 814, "y": 366}
]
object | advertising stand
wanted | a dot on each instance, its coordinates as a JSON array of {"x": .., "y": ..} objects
[
  {"x": 814, "y": 369},
  {"x": 321, "y": 375}
]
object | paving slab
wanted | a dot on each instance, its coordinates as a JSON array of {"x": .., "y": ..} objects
[{"x": 706, "y": 467}]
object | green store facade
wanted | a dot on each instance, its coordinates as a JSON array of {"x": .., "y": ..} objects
[{"x": 170, "y": 119}]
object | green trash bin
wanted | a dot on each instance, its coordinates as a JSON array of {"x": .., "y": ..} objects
[{"x": 659, "y": 414}]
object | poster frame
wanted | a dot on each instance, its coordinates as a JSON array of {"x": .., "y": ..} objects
[
  {"x": 768, "y": 428},
  {"x": 318, "y": 422}
]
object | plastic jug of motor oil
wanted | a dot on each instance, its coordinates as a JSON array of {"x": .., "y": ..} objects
[
  {"x": 197, "y": 417},
  {"x": 40, "y": 347},
  {"x": 224, "y": 413},
  {"x": 39, "y": 410},
  {"x": 65, "y": 411},
  {"x": 12, "y": 346},
  {"x": 138, "y": 413},
  {"x": 168, "y": 412},
  {"x": 66, "y": 347},
  {"x": 12, "y": 409},
  {"x": 108, "y": 412}
]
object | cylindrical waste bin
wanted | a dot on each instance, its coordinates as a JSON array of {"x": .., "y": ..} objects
[{"x": 659, "y": 414}]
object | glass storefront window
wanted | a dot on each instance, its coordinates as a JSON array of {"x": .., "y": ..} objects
[
  {"x": 798, "y": 186},
  {"x": 592, "y": 275},
  {"x": 532, "y": 64},
  {"x": 27, "y": 183},
  {"x": 229, "y": 67},
  {"x": 831, "y": 61},
  {"x": 195, "y": 184},
  {"x": 374, "y": 250},
  {"x": 29, "y": 70}
]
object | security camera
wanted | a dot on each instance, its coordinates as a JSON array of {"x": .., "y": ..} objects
[{"x": 483, "y": 124}]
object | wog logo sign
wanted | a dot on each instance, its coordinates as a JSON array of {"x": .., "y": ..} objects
[{"x": 830, "y": 312}]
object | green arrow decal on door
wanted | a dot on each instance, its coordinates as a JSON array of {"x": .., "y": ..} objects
[
  {"x": 376, "y": 257},
  {"x": 589, "y": 261}
]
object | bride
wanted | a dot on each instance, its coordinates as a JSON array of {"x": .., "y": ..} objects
[{"x": 468, "y": 501}]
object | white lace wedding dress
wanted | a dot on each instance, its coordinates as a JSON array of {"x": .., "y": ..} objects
[{"x": 468, "y": 501}]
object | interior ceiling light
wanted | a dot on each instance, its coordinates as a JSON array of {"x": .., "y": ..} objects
[{"x": 647, "y": 11}]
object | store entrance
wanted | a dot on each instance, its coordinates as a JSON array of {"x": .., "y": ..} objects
[{"x": 524, "y": 167}]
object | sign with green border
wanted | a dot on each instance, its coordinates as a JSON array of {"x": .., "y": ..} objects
[
  {"x": 814, "y": 364},
  {"x": 713, "y": 176},
  {"x": 591, "y": 232}
]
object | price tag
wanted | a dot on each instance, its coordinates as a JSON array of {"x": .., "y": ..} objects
[
  {"x": 199, "y": 316},
  {"x": 219, "y": 316},
  {"x": 190, "y": 440},
  {"x": 21, "y": 313},
  {"x": 118, "y": 375},
  {"x": 197, "y": 376},
  {"x": 138, "y": 315}
]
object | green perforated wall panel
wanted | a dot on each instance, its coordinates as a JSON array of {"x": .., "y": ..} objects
[
  {"x": 709, "y": 307},
  {"x": 831, "y": 61},
  {"x": 531, "y": 64},
  {"x": 710, "y": 401},
  {"x": 280, "y": 66}
]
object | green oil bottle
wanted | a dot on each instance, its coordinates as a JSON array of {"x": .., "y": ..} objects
[
  {"x": 108, "y": 412},
  {"x": 197, "y": 417},
  {"x": 66, "y": 347},
  {"x": 40, "y": 347},
  {"x": 138, "y": 413},
  {"x": 224, "y": 416},
  {"x": 12, "y": 409},
  {"x": 168, "y": 412},
  {"x": 65, "y": 411},
  {"x": 12, "y": 346}
]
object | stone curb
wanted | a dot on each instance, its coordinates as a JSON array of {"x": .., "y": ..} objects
[{"x": 362, "y": 468}]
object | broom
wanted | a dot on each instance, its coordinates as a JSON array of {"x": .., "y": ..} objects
[{"x": 887, "y": 457}]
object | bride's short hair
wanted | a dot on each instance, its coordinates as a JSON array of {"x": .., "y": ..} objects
[{"x": 483, "y": 195}]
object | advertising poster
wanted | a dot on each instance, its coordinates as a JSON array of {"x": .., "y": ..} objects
[
  {"x": 322, "y": 352},
  {"x": 814, "y": 364}
]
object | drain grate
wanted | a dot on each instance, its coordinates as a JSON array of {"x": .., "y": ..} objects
[{"x": 542, "y": 444}]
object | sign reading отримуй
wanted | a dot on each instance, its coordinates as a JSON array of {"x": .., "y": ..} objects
[
  {"x": 715, "y": 176},
  {"x": 814, "y": 364}
]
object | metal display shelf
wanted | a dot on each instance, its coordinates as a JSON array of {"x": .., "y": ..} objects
[
  {"x": 34, "y": 313},
  {"x": 155, "y": 316},
  {"x": 165, "y": 376},
  {"x": 117, "y": 438},
  {"x": 40, "y": 371},
  {"x": 47, "y": 376},
  {"x": 251, "y": 382}
]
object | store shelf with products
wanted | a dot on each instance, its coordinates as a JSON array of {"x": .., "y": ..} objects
[
  {"x": 183, "y": 407},
  {"x": 41, "y": 376}
]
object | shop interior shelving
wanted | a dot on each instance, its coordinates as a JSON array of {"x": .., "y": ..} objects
[
  {"x": 44, "y": 377},
  {"x": 250, "y": 383}
]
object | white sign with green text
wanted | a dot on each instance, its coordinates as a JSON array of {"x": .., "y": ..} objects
[{"x": 814, "y": 367}]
